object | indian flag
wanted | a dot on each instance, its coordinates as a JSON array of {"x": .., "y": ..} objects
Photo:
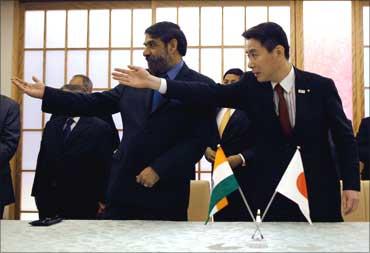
[{"x": 224, "y": 183}]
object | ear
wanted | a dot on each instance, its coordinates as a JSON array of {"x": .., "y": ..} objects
[
  {"x": 279, "y": 50},
  {"x": 172, "y": 45}
]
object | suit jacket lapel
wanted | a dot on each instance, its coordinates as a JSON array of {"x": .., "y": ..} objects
[{"x": 301, "y": 96}]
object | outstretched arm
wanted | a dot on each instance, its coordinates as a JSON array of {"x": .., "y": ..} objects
[
  {"x": 71, "y": 104},
  {"x": 235, "y": 95},
  {"x": 36, "y": 90}
]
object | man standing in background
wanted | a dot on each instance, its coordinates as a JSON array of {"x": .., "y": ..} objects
[
  {"x": 73, "y": 166},
  {"x": 233, "y": 133},
  {"x": 9, "y": 137}
]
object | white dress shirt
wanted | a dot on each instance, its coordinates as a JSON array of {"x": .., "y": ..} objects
[{"x": 75, "y": 121}]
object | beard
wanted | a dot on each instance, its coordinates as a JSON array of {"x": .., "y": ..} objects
[{"x": 158, "y": 65}]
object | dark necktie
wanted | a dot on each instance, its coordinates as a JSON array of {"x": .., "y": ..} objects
[
  {"x": 67, "y": 128},
  {"x": 283, "y": 112},
  {"x": 157, "y": 97},
  {"x": 156, "y": 100}
]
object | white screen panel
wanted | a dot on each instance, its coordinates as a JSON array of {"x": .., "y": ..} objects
[
  {"x": 32, "y": 115},
  {"x": 55, "y": 29},
  {"x": 281, "y": 16},
  {"x": 98, "y": 69},
  {"x": 166, "y": 14},
  {"x": 32, "y": 107},
  {"x": 27, "y": 201},
  {"x": 121, "y": 28},
  {"x": 119, "y": 59},
  {"x": 34, "y": 29},
  {"x": 30, "y": 149},
  {"x": 77, "y": 28},
  {"x": 54, "y": 75},
  {"x": 189, "y": 24},
  {"x": 211, "y": 26},
  {"x": 76, "y": 63},
  {"x": 205, "y": 165},
  {"x": 255, "y": 15},
  {"x": 233, "y": 58},
  {"x": 206, "y": 176},
  {"x": 142, "y": 19},
  {"x": 32, "y": 65},
  {"x": 138, "y": 59},
  {"x": 233, "y": 25},
  {"x": 99, "y": 28},
  {"x": 192, "y": 58},
  {"x": 211, "y": 63}
]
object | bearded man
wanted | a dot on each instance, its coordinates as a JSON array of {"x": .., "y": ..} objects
[{"x": 162, "y": 139}]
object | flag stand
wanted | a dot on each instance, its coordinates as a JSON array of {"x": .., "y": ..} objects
[
  {"x": 254, "y": 220},
  {"x": 264, "y": 213}
]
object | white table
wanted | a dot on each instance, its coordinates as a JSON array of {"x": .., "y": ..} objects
[{"x": 126, "y": 236}]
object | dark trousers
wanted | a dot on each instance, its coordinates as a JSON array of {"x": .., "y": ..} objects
[
  {"x": 134, "y": 213},
  {"x": 50, "y": 207}
]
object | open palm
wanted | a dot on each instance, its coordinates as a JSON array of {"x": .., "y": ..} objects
[
  {"x": 136, "y": 77},
  {"x": 35, "y": 90}
]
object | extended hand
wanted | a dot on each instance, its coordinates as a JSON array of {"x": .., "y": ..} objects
[
  {"x": 350, "y": 201},
  {"x": 136, "y": 77},
  {"x": 35, "y": 90},
  {"x": 210, "y": 155},
  {"x": 235, "y": 161},
  {"x": 147, "y": 177}
]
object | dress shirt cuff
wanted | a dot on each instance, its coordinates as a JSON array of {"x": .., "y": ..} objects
[
  {"x": 243, "y": 159},
  {"x": 163, "y": 87}
]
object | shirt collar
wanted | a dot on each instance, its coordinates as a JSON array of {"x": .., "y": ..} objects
[
  {"x": 172, "y": 73},
  {"x": 288, "y": 82},
  {"x": 76, "y": 119}
]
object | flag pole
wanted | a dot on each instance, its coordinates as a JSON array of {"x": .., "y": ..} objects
[
  {"x": 268, "y": 206},
  {"x": 250, "y": 213},
  {"x": 265, "y": 212}
]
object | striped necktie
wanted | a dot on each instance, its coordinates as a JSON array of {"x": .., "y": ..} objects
[{"x": 225, "y": 119}]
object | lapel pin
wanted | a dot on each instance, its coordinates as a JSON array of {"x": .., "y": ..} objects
[
  {"x": 308, "y": 90},
  {"x": 302, "y": 91}
]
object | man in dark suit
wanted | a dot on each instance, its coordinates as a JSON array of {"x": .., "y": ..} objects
[
  {"x": 162, "y": 139},
  {"x": 290, "y": 108},
  {"x": 232, "y": 132},
  {"x": 87, "y": 86},
  {"x": 9, "y": 137},
  {"x": 73, "y": 166},
  {"x": 363, "y": 141}
]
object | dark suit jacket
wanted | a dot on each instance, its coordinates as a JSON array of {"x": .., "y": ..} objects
[
  {"x": 72, "y": 175},
  {"x": 237, "y": 138},
  {"x": 318, "y": 109},
  {"x": 363, "y": 141},
  {"x": 9, "y": 137},
  {"x": 114, "y": 132},
  {"x": 170, "y": 140}
]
